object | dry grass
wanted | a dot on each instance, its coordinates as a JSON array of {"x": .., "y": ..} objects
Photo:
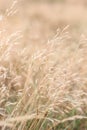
[{"x": 43, "y": 85}]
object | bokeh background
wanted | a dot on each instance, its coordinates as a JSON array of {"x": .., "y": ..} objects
[{"x": 39, "y": 19}]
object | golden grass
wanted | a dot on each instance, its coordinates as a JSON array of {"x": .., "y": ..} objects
[{"x": 42, "y": 85}]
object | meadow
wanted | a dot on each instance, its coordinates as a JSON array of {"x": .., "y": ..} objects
[{"x": 43, "y": 65}]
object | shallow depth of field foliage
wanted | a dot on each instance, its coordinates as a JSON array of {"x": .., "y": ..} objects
[{"x": 43, "y": 65}]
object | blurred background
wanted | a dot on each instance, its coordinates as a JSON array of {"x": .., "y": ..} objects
[{"x": 39, "y": 19}]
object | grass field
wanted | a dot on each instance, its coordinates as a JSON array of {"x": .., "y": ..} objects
[{"x": 43, "y": 65}]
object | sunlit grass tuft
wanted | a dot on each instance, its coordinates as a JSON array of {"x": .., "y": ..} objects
[{"x": 44, "y": 88}]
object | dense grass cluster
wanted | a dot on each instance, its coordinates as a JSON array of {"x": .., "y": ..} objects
[{"x": 42, "y": 89}]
